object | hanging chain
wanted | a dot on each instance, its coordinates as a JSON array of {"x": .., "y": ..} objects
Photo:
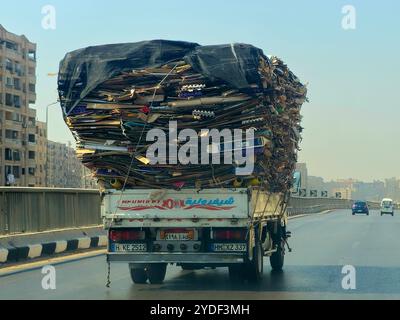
[{"x": 108, "y": 273}]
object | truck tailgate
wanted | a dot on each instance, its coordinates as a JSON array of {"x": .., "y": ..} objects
[{"x": 171, "y": 204}]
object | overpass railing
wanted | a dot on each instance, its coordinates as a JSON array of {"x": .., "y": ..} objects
[
  {"x": 26, "y": 210},
  {"x": 299, "y": 205}
]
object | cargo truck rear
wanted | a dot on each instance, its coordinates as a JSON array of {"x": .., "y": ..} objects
[{"x": 234, "y": 228}]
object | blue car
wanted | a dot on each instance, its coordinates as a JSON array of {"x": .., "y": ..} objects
[{"x": 360, "y": 207}]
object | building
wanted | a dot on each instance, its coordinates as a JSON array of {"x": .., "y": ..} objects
[
  {"x": 392, "y": 189},
  {"x": 64, "y": 168},
  {"x": 316, "y": 183},
  {"x": 17, "y": 119},
  {"x": 302, "y": 168},
  {"x": 87, "y": 180},
  {"x": 370, "y": 191},
  {"x": 41, "y": 153},
  {"x": 345, "y": 193}
]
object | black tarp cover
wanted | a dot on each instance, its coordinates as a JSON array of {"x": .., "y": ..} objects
[{"x": 81, "y": 71}]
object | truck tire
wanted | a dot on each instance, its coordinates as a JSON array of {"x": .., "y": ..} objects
[
  {"x": 255, "y": 268},
  {"x": 139, "y": 276},
  {"x": 156, "y": 273},
  {"x": 277, "y": 259}
]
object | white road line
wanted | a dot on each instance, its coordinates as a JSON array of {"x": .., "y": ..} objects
[{"x": 54, "y": 261}]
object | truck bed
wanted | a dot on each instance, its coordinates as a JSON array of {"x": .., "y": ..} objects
[{"x": 150, "y": 207}]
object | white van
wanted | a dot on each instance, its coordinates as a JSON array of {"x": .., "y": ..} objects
[{"x": 387, "y": 207}]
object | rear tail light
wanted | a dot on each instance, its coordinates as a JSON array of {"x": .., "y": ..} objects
[
  {"x": 126, "y": 235},
  {"x": 230, "y": 234}
]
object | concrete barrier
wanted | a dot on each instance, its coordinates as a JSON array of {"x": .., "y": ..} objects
[{"x": 18, "y": 248}]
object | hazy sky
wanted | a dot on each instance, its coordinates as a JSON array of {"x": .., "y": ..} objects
[{"x": 352, "y": 121}]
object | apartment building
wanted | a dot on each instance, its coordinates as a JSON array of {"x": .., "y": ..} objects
[
  {"x": 87, "y": 180},
  {"x": 64, "y": 168},
  {"x": 41, "y": 153},
  {"x": 302, "y": 168},
  {"x": 17, "y": 119}
]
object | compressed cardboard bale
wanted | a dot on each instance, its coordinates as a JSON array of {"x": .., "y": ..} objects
[{"x": 113, "y": 95}]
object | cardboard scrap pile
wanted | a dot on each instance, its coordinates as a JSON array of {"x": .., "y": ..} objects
[{"x": 113, "y": 95}]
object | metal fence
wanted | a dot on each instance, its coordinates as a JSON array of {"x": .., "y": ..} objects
[{"x": 24, "y": 210}]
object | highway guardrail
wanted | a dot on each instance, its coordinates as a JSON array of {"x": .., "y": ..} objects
[{"x": 29, "y": 210}]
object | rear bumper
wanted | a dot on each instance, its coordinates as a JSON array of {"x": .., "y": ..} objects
[
  {"x": 192, "y": 258},
  {"x": 360, "y": 212}
]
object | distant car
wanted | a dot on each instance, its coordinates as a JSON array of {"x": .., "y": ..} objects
[
  {"x": 387, "y": 207},
  {"x": 360, "y": 207}
]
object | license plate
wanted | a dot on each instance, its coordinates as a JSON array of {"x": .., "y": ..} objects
[
  {"x": 229, "y": 247},
  {"x": 181, "y": 235},
  {"x": 137, "y": 247},
  {"x": 178, "y": 236}
]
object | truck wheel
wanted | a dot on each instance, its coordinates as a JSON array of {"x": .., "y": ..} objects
[
  {"x": 139, "y": 276},
  {"x": 156, "y": 273},
  {"x": 255, "y": 268},
  {"x": 277, "y": 259}
]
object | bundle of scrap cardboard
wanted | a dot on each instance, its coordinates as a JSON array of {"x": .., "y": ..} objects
[{"x": 113, "y": 96}]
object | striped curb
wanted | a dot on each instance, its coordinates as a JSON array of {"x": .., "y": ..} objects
[
  {"x": 3, "y": 255},
  {"x": 32, "y": 251}
]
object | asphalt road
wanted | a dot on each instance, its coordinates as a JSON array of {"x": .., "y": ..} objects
[{"x": 322, "y": 245}]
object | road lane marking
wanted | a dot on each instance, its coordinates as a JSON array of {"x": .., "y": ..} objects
[{"x": 53, "y": 261}]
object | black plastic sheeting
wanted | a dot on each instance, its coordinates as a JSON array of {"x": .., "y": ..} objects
[{"x": 81, "y": 71}]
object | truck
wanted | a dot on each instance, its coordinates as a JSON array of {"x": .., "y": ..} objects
[
  {"x": 122, "y": 102},
  {"x": 149, "y": 229}
]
